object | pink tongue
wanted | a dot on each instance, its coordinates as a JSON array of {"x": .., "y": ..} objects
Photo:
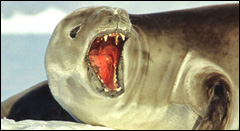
[{"x": 104, "y": 61}]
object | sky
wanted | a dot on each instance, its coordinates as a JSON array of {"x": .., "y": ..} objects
[
  {"x": 26, "y": 27},
  {"x": 18, "y": 17}
]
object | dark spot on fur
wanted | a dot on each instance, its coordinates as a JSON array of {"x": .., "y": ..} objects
[
  {"x": 146, "y": 55},
  {"x": 159, "y": 50},
  {"x": 110, "y": 20}
]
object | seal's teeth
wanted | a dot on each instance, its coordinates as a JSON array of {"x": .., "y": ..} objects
[
  {"x": 115, "y": 75},
  {"x": 116, "y": 39},
  {"x": 118, "y": 89},
  {"x": 115, "y": 80},
  {"x": 105, "y": 38},
  {"x": 123, "y": 36},
  {"x": 98, "y": 77},
  {"x": 106, "y": 90}
]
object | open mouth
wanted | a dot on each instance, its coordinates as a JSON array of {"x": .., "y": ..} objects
[{"x": 104, "y": 56}]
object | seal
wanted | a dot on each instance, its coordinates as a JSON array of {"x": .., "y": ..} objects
[{"x": 169, "y": 70}]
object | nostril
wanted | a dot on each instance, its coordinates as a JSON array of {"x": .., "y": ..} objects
[
  {"x": 110, "y": 20},
  {"x": 116, "y": 18}
]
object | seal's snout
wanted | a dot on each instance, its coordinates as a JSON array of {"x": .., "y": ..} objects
[
  {"x": 120, "y": 14},
  {"x": 114, "y": 14}
]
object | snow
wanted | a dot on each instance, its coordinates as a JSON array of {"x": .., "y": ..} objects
[{"x": 8, "y": 124}]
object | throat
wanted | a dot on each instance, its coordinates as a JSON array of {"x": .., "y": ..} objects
[{"x": 104, "y": 62}]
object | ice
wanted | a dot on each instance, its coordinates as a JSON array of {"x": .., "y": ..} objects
[{"x": 8, "y": 124}]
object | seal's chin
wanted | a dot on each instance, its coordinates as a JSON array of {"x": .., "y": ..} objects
[{"x": 105, "y": 58}]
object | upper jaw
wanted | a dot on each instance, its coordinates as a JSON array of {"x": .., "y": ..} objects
[{"x": 124, "y": 32}]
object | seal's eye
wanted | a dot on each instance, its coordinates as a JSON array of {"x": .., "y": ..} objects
[{"x": 74, "y": 31}]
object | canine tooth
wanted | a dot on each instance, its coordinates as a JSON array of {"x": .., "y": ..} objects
[
  {"x": 116, "y": 40},
  {"x": 106, "y": 90},
  {"x": 118, "y": 89},
  {"x": 123, "y": 36},
  {"x": 105, "y": 38},
  {"x": 98, "y": 77},
  {"x": 115, "y": 75},
  {"x": 102, "y": 80}
]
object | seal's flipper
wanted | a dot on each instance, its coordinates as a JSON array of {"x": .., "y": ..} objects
[{"x": 35, "y": 103}]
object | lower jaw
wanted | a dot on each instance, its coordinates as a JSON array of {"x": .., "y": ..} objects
[{"x": 100, "y": 88}]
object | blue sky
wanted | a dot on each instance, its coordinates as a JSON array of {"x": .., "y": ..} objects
[
  {"x": 26, "y": 27},
  {"x": 17, "y": 17}
]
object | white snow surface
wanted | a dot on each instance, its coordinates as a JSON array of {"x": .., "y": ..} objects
[{"x": 8, "y": 124}]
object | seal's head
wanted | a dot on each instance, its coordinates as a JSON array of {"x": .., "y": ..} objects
[{"x": 85, "y": 51}]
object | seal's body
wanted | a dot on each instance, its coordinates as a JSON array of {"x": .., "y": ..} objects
[{"x": 173, "y": 70}]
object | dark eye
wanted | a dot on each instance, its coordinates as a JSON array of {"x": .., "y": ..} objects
[{"x": 74, "y": 31}]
